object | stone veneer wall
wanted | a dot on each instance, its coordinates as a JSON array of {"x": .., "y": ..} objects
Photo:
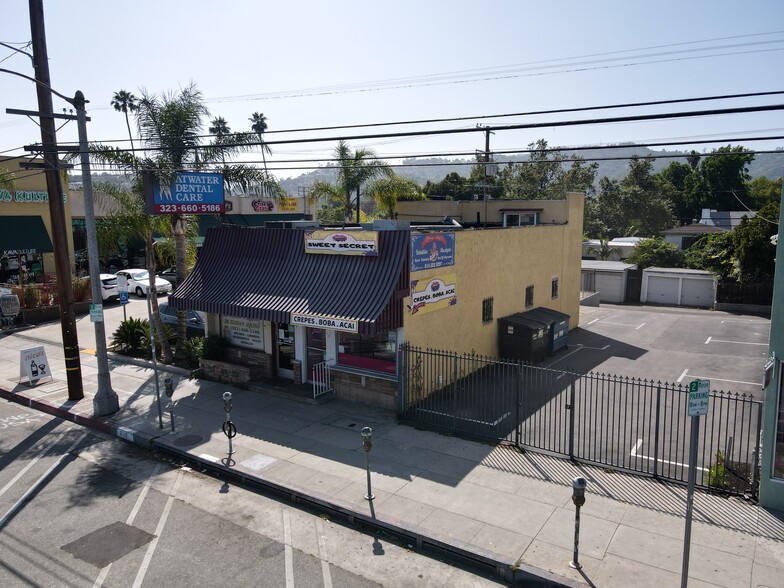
[
  {"x": 259, "y": 361},
  {"x": 365, "y": 389},
  {"x": 241, "y": 366}
]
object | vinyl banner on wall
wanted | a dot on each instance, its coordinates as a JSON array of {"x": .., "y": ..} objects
[
  {"x": 432, "y": 250},
  {"x": 433, "y": 293}
]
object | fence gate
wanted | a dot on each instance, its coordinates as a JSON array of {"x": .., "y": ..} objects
[{"x": 618, "y": 422}]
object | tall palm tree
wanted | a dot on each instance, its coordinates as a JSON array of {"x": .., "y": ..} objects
[
  {"x": 125, "y": 102},
  {"x": 355, "y": 169},
  {"x": 259, "y": 125},
  {"x": 388, "y": 190},
  {"x": 170, "y": 129}
]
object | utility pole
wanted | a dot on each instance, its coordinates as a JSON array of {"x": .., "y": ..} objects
[
  {"x": 105, "y": 401},
  {"x": 73, "y": 369}
]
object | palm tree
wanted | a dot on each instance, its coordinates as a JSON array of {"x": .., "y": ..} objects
[
  {"x": 125, "y": 102},
  {"x": 219, "y": 127},
  {"x": 604, "y": 251},
  {"x": 258, "y": 126},
  {"x": 170, "y": 128},
  {"x": 388, "y": 190}
]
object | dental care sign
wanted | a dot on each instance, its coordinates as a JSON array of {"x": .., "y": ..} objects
[
  {"x": 316, "y": 321},
  {"x": 33, "y": 364},
  {"x": 433, "y": 293},
  {"x": 342, "y": 242},
  {"x": 189, "y": 193}
]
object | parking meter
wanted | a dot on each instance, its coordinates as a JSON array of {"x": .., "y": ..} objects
[
  {"x": 228, "y": 428},
  {"x": 168, "y": 387},
  {"x": 367, "y": 438},
  {"x": 227, "y": 403},
  {"x": 578, "y": 495}
]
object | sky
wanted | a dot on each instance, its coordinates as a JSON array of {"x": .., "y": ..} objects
[{"x": 307, "y": 64}]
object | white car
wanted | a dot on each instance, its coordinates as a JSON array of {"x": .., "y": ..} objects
[
  {"x": 109, "y": 287},
  {"x": 139, "y": 282}
]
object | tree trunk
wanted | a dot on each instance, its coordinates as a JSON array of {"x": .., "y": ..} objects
[
  {"x": 178, "y": 230},
  {"x": 157, "y": 324}
]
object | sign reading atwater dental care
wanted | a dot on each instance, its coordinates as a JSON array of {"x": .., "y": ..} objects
[
  {"x": 433, "y": 293},
  {"x": 33, "y": 364},
  {"x": 432, "y": 250},
  {"x": 189, "y": 193},
  {"x": 316, "y": 321},
  {"x": 342, "y": 242}
]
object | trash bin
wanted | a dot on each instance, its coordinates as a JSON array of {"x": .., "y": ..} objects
[
  {"x": 559, "y": 326},
  {"x": 523, "y": 338}
]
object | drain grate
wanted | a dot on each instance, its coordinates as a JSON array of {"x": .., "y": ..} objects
[{"x": 187, "y": 440}]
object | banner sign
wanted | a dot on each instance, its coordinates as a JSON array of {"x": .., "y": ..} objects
[
  {"x": 190, "y": 193},
  {"x": 342, "y": 242},
  {"x": 433, "y": 294},
  {"x": 33, "y": 364},
  {"x": 243, "y": 332},
  {"x": 325, "y": 322},
  {"x": 432, "y": 250}
]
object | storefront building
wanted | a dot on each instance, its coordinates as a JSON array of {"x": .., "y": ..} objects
[
  {"x": 290, "y": 299},
  {"x": 26, "y": 250}
]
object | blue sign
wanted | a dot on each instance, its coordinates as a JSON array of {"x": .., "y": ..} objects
[
  {"x": 123, "y": 297},
  {"x": 432, "y": 250},
  {"x": 190, "y": 193}
]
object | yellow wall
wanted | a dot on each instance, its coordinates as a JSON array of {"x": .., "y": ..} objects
[
  {"x": 35, "y": 181},
  {"x": 467, "y": 210},
  {"x": 500, "y": 263}
]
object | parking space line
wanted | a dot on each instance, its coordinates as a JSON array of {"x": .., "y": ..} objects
[
  {"x": 322, "y": 541},
  {"x": 44, "y": 451},
  {"x": 708, "y": 340},
  {"x": 735, "y": 342},
  {"x": 637, "y": 446},
  {"x": 747, "y": 321},
  {"x": 622, "y": 324},
  {"x": 592, "y": 322},
  {"x": 289, "y": 553},
  {"x": 712, "y": 379},
  {"x": 683, "y": 375},
  {"x": 638, "y": 328}
]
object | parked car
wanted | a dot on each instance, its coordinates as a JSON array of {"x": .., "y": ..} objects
[
  {"x": 169, "y": 274},
  {"x": 139, "y": 282},
  {"x": 109, "y": 287},
  {"x": 196, "y": 319}
]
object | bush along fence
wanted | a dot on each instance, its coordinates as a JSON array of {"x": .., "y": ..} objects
[{"x": 617, "y": 422}]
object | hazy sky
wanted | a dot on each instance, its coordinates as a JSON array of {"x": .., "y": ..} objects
[{"x": 315, "y": 63}]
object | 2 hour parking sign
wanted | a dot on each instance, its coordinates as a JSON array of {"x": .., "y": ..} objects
[{"x": 699, "y": 393}]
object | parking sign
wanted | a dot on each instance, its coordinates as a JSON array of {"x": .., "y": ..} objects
[{"x": 699, "y": 392}]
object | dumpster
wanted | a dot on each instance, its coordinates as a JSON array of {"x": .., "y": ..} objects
[
  {"x": 559, "y": 326},
  {"x": 523, "y": 338}
]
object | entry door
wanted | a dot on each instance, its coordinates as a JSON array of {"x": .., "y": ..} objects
[
  {"x": 285, "y": 344},
  {"x": 316, "y": 349}
]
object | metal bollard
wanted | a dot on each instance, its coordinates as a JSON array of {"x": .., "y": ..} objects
[
  {"x": 578, "y": 498},
  {"x": 228, "y": 428},
  {"x": 367, "y": 443},
  {"x": 168, "y": 387}
]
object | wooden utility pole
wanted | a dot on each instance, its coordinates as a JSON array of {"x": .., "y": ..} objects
[{"x": 73, "y": 369}]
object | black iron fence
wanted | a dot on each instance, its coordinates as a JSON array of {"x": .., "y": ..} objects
[{"x": 618, "y": 422}]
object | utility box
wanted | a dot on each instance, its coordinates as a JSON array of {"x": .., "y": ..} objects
[
  {"x": 523, "y": 338},
  {"x": 559, "y": 326}
]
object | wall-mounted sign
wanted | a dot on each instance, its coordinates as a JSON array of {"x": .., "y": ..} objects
[
  {"x": 287, "y": 204},
  {"x": 432, "y": 250},
  {"x": 433, "y": 294},
  {"x": 243, "y": 332},
  {"x": 342, "y": 242},
  {"x": 26, "y": 196},
  {"x": 325, "y": 322},
  {"x": 263, "y": 205},
  {"x": 33, "y": 364},
  {"x": 190, "y": 193},
  {"x": 31, "y": 251}
]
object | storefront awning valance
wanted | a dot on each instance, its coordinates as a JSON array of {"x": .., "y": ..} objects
[
  {"x": 23, "y": 234},
  {"x": 265, "y": 274}
]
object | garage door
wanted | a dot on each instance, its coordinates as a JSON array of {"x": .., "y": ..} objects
[
  {"x": 662, "y": 290},
  {"x": 697, "y": 292},
  {"x": 610, "y": 286}
]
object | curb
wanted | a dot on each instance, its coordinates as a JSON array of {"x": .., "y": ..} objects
[{"x": 452, "y": 549}]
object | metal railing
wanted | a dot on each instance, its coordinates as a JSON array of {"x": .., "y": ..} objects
[
  {"x": 618, "y": 422},
  {"x": 321, "y": 379}
]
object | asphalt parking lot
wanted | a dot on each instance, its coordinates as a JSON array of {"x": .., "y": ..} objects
[{"x": 674, "y": 345}]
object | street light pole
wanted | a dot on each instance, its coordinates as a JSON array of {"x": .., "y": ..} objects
[{"x": 105, "y": 401}]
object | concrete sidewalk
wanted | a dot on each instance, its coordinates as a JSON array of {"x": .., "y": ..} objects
[{"x": 494, "y": 505}]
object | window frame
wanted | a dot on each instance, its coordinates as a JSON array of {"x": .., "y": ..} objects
[
  {"x": 529, "y": 290},
  {"x": 487, "y": 310}
]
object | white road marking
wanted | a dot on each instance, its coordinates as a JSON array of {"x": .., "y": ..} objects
[
  {"x": 712, "y": 379},
  {"x": 129, "y": 521},
  {"x": 38, "y": 482},
  {"x": 622, "y": 324},
  {"x": 746, "y": 321},
  {"x": 708, "y": 340},
  {"x": 158, "y": 530},
  {"x": 288, "y": 552},
  {"x": 579, "y": 347},
  {"x": 477, "y": 421},
  {"x": 641, "y": 325},
  {"x": 322, "y": 541},
  {"x": 636, "y": 448},
  {"x": 31, "y": 464},
  {"x": 683, "y": 375},
  {"x": 736, "y": 342},
  {"x": 592, "y": 322}
]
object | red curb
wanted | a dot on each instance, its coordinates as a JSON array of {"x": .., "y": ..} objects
[{"x": 42, "y": 406}]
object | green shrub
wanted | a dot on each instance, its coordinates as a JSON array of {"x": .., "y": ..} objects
[
  {"x": 131, "y": 336},
  {"x": 215, "y": 347},
  {"x": 32, "y": 296},
  {"x": 717, "y": 475},
  {"x": 193, "y": 351}
]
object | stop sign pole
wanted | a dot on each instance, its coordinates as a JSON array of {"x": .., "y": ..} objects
[{"x": 699, "y": 393}]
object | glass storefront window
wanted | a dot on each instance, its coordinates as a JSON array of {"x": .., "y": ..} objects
[
  {"x": 778, "y": 455},
  {"x": 377, "y": 353}
]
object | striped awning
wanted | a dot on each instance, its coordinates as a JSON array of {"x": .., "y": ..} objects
[{"x": 265, "y": 274}]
